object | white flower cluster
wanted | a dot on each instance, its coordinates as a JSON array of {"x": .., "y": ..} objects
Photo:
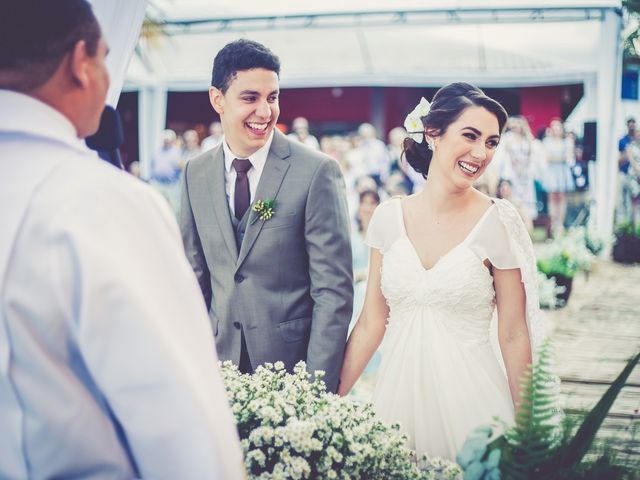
[
  {"x": 566, "y": 255},
  {"x": 548, "y": 292},
  {"x": 594, "y": 242},
  {"x": 291, "y": 428}
]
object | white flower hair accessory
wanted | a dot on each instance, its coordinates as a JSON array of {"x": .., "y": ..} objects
[{"x": 413, "y": 123}]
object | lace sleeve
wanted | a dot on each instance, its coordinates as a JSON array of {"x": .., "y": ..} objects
[{"x": 520, "y": 255}]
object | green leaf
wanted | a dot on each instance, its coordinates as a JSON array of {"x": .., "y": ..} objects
[
  {"x": 573, "y": 453},
  {"x": 534, "y": 438}
]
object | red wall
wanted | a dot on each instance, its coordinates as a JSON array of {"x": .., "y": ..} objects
[
  {"x": 540, "y": 104},
  {"x": 342, "y": 109},
  {"x": 400, "y": 101},
  {"x": 348, "y": 104}
]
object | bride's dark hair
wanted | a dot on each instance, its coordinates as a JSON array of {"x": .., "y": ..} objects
[{"x": 448, "y": 104}]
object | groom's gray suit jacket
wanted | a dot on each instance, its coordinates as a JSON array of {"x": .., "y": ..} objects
[{"x": 288, "y": 286}]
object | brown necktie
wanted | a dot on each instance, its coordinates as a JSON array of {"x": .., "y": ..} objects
[{"x": 242, "y": 195}]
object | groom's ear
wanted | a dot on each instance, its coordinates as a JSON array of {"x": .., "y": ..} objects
[{"x": 216, "y": 97}]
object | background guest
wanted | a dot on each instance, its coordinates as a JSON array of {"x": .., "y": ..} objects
[
  {"x": 373, "y": 152},
  {"x": 166, "y": 165},
  {"x": 300, "y": 132},
  {"x": 190, "y": 146},
  {"x": 214, "y": 138},
  {"x": 505, "y": 191},
  {"x": 557, "y": 178},
  {"x": 623, "y": 207},
  {"x": 369, "y": 200},
  {"x": 522, "y": 160}
]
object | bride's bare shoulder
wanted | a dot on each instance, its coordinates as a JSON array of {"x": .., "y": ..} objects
[{"x": 483, "y": 198}]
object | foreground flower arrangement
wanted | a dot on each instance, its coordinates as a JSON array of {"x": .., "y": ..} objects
[
  {"x": 291, "y": 428},
  {"x": 544, "y": 443}
]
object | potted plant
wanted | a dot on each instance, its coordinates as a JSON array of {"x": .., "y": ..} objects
[
  {"x": 626, "y": 247},
  {"x": 562, "y": 258}
]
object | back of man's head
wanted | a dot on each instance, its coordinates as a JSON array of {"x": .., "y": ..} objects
[
  {"x": 238, "y": 56},
  {"x": 35, "y": 35}
]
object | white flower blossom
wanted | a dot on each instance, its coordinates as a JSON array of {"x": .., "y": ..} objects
[
  {"x": 413, "y": 123},
  {"x": 291, "y": 428}
]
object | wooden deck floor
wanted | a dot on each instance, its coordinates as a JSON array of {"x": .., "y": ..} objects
[{"x": 594, "y": 337}]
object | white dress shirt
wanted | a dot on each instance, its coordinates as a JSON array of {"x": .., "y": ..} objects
[
  {"x": 107, "y": 360},
  {"x": 258, "y": 159}
]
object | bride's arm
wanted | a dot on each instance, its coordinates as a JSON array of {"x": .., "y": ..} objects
[
  {"x": 369, "y": 330},
  {"x": 513, "y": 334}
]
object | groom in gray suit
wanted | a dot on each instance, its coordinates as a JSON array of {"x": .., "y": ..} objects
[{"x": 276, "y": 276}]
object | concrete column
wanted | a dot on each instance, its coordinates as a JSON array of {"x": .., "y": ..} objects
[
  {"x": 152, "y": 119},
  {"x": 608, "y": 108}
]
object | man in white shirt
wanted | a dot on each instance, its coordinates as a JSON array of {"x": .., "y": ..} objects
[
  {"x": 107, "y": 368},
  {"x": 300, "y": 132},
  {"x": 214, "y": 138},
  {"x": 166, "y": 166},
  {"x": 374, "y": 152}
]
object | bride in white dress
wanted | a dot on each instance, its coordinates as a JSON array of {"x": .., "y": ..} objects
[{"x": 443, "y": 261}]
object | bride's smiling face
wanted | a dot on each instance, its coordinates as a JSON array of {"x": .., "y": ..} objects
[{"x": 466, "y": 148}]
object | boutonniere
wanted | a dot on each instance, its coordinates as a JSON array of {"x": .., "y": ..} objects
[{"x": 265, "y": 209}]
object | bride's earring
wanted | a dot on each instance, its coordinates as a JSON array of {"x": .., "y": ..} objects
[{"x": 430, "y": 145}]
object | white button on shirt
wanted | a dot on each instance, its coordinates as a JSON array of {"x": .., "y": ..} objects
[{"x": 258, "y": 160}]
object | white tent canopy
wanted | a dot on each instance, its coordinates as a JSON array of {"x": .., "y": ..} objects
[
  {"x": 402, "y": 43},
  {"x": 495, "y": 43}
]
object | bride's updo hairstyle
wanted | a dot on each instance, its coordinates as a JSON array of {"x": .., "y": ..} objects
[{"x": 448, "y": 104}]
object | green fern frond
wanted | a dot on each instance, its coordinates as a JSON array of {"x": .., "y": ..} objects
[{"x": 536, "y": 435}]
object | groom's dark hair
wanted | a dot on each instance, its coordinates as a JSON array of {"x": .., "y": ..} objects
[
  {"x": 238, "y": 56},
  {"x": 35, "y": 35}
]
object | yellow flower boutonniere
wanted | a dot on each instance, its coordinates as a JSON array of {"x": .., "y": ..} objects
[{"x": 264, "y": 209}]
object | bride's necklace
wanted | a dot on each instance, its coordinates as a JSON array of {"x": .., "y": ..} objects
[
  {"x": 444, "y": 220},
  {"x": 448, "y": 227}
]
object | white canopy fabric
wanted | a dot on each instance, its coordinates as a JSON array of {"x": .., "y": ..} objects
[
  {"x": 410, "y": 55},
  {"x": 198, "y": 9},
  {"x": 404, "y": 43},
  {"x": 497, "y": 43},
  {"x": 121, "y": 37}
]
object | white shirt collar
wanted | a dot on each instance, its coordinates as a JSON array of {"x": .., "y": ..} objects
[
  {"x": 25, "y": 114},
  {"x": 257, "y": 159}
]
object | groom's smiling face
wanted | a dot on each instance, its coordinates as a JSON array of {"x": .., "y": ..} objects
[{"x": 248, "y": 110}]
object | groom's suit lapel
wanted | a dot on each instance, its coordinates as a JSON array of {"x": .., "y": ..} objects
[
  {"x": 274, "y": 171},
  {"x": 218, "y": 198}
]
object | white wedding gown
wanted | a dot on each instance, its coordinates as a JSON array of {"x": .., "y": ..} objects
[{"x": 440, "y": 376}]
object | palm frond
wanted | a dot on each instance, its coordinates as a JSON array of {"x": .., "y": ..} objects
[{"x": 573, "y": 453}]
